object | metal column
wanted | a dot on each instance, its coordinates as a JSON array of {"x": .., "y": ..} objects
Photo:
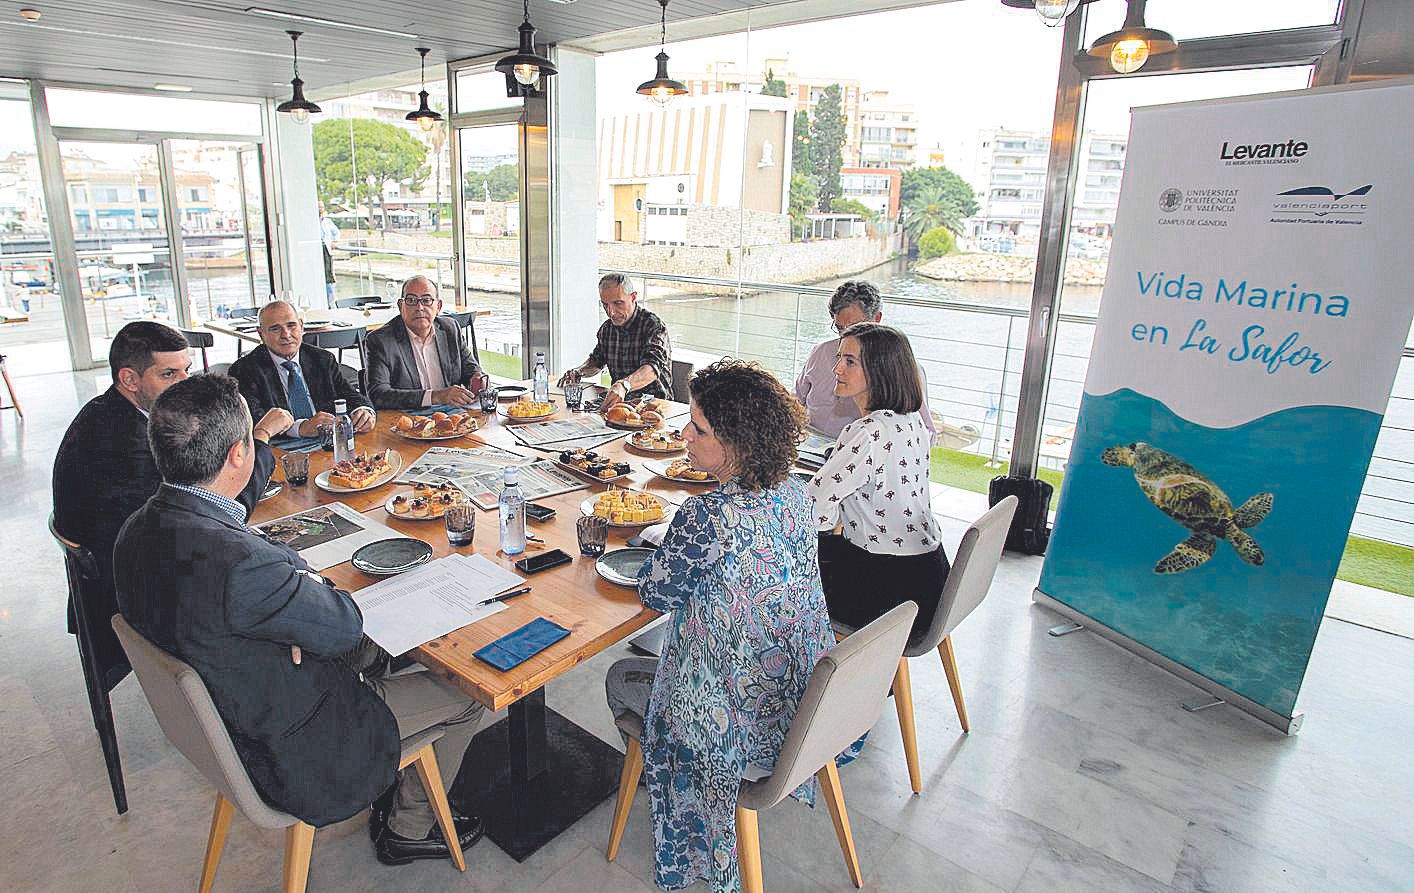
[{"x": 534, "y": 139}]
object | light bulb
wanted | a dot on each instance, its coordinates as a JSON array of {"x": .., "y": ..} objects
[
  {"x": 1055, "y": 10},
  {"x": 661, "y": 95},
  {"x": 527, "y": 74},
  {"x": 426, "y": 124},
  {"x": 301, "y": 116},
  {"x": 1129, "y": 55}
]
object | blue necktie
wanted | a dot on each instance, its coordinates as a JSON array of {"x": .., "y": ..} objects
[{"x": 301, "y": 407}]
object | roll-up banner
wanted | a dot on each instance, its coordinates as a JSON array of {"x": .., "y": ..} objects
[{"x": 1253, "y": 318}]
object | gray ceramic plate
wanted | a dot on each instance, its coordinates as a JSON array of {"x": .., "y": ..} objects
[
  {"x": 621, "y": 565},
  {"x": 391, "y": 556}
]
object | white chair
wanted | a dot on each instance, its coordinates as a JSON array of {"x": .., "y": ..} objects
[
  {"x": 188, "y": 717},
  {"x": 970, "y": 578},
  {"x": 842, "y": 701}
]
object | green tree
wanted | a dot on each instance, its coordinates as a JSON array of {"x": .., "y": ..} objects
[
  {"x": 930, "y": 210},
  {"x": 827, "y": 139},
  {"x": 919, "y": 180},
  {"x": 936, "y": 242},
  {"x": 852, "y": 206},
  {"x": 804, "y": 198},
  {"x": 378, "y": 153},
  {"x": 773, "y": 86},
  {"x": 800, "y": 144},
  {"x": 502, "y": 181}
]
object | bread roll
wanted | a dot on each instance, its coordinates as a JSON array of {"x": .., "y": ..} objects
[{"x": 618, "y": 413}]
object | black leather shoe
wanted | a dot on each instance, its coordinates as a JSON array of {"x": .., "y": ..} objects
[
  {"x": 378, "y": 813},
  {"x": 394, "y": 849}
]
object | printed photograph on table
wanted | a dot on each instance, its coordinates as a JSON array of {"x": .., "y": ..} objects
[
  {"x": 1242, "y": 362},
  {"x": 308, "y": 529}
]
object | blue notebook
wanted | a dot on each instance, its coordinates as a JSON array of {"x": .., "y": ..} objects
[{"x": 515, "y": 648}]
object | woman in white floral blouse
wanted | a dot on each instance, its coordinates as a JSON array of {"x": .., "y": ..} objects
[{"x": 879, "y": 544}]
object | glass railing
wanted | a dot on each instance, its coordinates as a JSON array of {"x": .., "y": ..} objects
[{"x": 972, "y": 355}]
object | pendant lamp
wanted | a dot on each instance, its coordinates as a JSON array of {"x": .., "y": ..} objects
[
  {"x": 1052, "y": 12},
  {"x": 1131, "y": 46},
  {"x": 524, "y": 68},
  {"x": 662, "y": 88},
  {"x": 425, "y": 117},
  {"x": 297, "y": 106}
]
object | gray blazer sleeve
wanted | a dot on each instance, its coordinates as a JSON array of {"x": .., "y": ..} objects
[
  {"x": 270, "y": 598},
  {"x": 381, "y": 362}
]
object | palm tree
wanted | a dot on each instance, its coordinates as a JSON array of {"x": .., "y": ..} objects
[{"x": 930, "y": 209}]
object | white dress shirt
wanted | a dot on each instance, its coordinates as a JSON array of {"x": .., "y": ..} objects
[
  {"x": 827, "y": 413},
  {"x": 429, "y": 363},
  {"x": 284, "y": 374},
  {"x": 875, "y": 484}
]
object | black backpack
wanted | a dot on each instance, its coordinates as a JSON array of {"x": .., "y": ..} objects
[{"x": 1029, "y": 531}]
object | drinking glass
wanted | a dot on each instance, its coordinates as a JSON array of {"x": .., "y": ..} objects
[
  {"x": 460, "y": 521},
  {"x": 296, "y": 467},
  {"x": 593, "y": 533},
  {"x": 574, "y": 393},
  {"x": 488, "y": 398}
]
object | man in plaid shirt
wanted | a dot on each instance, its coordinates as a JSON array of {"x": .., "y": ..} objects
[{"x": 632, "y": 342}]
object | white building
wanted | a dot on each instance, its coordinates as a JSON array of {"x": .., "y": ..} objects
[
  {"x": 888, "y": 134},
  {"x": 1011, "y": 176}
]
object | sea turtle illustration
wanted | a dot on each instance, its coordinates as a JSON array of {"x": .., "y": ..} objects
[{"x": 1190, "y": 498}]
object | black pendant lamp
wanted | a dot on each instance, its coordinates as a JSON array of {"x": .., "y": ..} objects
[
  {"x": 662, "y": 88},
  {"x": 1131, "y": 46},
  {"x": 524, "y": 68},
  {"x": 1052, "y": 12},
  {"x": 425, "y": 117},
  {"x": 297, "y": 106}
]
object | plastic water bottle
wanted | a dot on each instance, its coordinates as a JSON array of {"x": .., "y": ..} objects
[
  {"x": 541, "y": 377},
  {"x": 343, "y": 432},
  {"x": 512, "y": 508}
]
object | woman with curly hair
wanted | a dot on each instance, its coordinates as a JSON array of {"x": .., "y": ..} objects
[
  {"x": 738, "y": 574},
  {"x": 874, "y": 487}
]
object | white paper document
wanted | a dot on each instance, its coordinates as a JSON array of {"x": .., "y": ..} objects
[
  {"x": 411, "y": 609},
  {"x": 327, "y": 535}
]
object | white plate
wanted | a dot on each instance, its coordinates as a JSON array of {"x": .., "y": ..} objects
[
  {"x": 586, "y": 508},
  {"x": 660, "y": 468},
  {"x": 659, "y": 450},
  {"x": 395, "y": 461},
  {"x": 514, "y": 420},
  {"x": 408, "y": 516},
  {"x": 476, "y": 426},
  {"x": 593, "y": 477}
]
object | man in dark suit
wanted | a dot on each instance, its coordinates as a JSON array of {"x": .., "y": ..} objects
[
  {"x": 297, "y": 377},
  {"x": 103, "y": 470},
  {"x": 420, "y": 358},
  {"x": 278, "y": 646}
]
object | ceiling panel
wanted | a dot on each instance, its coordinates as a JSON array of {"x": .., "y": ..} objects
[{"x": 218, "y": 47}]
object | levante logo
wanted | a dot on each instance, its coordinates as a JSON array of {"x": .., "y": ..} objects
[{"x": 1289, "y": 152}]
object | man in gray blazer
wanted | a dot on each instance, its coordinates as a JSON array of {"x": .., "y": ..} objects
[{"x": 419, "y": 358}]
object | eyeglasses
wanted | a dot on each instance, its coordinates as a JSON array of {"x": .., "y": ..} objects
[{"x": 425, "y": 301}]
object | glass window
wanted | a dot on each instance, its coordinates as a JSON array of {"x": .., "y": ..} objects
[
  {"x": 479, "y": 91},
  {"x": 135, "y": 111},
  {"x": 1186, "y": 19}
]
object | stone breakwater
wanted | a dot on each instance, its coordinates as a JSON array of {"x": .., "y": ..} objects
[{"x": 1007, "y": 268}]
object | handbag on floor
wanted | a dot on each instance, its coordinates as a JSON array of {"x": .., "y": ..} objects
[{"x": 1030, "y": 528}]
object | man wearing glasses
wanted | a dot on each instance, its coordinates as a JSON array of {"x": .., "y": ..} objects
[
  {"x": 854, "y": 301},
  {"x": 419, "y": 358},
  {"x": 632, "y": 343}
]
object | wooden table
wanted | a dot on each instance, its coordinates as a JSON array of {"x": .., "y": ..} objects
[
  {"x": 535, "y": 773},
  {"x": 372, "y": 320}
]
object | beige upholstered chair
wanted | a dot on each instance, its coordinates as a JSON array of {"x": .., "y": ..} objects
[
  {"x": 973, "y": 567},
  {"x": 188, "y": 717},
  {"x": 843, "y": 701}
]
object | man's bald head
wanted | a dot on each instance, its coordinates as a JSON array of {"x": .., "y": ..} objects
[{"x": 280, "y": 329}]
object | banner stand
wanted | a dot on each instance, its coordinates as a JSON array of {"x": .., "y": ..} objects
[{"x": 1247, "y": 705}]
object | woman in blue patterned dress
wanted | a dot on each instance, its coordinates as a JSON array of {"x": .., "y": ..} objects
[{"x": 737, "y": 571}]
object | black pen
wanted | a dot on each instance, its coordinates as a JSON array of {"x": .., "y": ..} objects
[{"x": 507, "y": 595}]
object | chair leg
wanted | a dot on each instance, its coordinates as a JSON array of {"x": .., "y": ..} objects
[
  {"x": 903, "y": 703},
  {"x": 628, "y": 786},
  {"x": 748, "y": 850},
  {"x": 954, "y": 683},
  {"x": 14, "y": 400},
  {"x": 426, "y": 762},
  {"x": 299, "y": 842},
  {"x": 216, "y": 841},
  {"x": 102, "y": 710},
  {"x": 834, "y": 800}
]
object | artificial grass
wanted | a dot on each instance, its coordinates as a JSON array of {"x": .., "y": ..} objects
[
  {"x": 501, "y": 365},
  {"x": 1366, "y": 562}
]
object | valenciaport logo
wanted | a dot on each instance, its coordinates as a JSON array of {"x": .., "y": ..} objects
[
  {"x": 1322, "y": 204},
  {"x": 1170, "y": 200},
  {"x": 1235, "y": 152}
]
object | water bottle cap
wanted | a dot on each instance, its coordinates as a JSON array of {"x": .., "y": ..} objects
[
  {"x": 341, "y": 407},
  {"x": 510, "y": 474},
  {"x": 540, "y": 355}
]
